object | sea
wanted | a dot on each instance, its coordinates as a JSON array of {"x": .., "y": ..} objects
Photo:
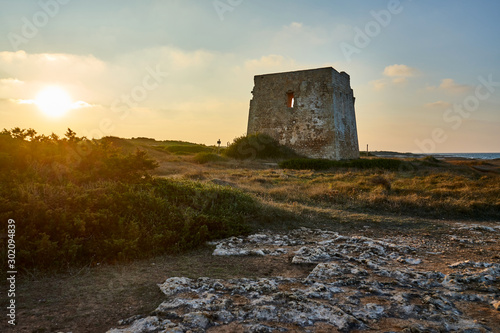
[{"x": 478, "y": 156}]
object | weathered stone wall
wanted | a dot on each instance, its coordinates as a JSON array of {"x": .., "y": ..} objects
[{"x": 320, "y": 124}]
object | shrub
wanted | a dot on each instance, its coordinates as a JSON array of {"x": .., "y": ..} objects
[
  {"x": 72, "y": 159},
  {"x": 60, "y": 225},
  {"x": 101, "y": 205},
  {"x": 258, "y": 146}
]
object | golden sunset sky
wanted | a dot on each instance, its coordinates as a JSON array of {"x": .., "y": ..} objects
[{"x": 426, "y": 74}]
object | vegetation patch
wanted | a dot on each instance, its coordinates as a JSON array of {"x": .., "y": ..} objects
[
  {"x": 323, "y": 164},
  {"x": 430, "y": 161},
  {"x": 187, "y": 150},
  {"x": 444, "y": 193},
  {"x": 260, "y": 146},
  {"x": 79, "y": 202},
  {"x": 174, "y": 147},
  {"x": 202, "y": 158}
]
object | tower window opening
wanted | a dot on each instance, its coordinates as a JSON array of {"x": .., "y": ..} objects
[{"x": 291, "y": 99}]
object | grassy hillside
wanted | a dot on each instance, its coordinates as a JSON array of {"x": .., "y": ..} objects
[{"x": 79, "y": 201}]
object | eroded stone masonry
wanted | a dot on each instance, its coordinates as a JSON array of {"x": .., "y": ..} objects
[{"x": 310, "y": 111}]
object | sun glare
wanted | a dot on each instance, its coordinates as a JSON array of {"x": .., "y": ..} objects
[{"x": 53, "y": 101}]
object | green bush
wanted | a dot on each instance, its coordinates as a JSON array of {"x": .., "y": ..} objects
[
  {"x": 60, "y": 225},
  {"x": 203, "y": 158},
  {"x": 78, "y": 202},
  {"x": 323, "y": 164},
  {"x": 258, "y": 146},
  {"x": 32, "y": 158}
]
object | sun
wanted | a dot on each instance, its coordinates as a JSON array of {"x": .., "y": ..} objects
[{"x": 53, "y": 101}]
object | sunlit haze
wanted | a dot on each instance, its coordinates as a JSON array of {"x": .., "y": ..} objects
[
  {"x": 53, "y": 101},
  {"x": 425, "y": 74}
]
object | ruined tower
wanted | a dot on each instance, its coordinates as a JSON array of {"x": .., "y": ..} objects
[{"x": 310, "y": 111}]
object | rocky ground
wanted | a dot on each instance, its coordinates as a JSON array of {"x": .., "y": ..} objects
[{"x": 334, "y": 282}]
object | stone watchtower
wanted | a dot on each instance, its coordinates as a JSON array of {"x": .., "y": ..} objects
[{"x": 310, "y": 111}]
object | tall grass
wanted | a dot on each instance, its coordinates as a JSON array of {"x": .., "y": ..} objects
[{"x": 437, "y": 193}]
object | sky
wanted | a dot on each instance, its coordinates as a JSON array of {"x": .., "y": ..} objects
[{"x": 425, "y": 74}]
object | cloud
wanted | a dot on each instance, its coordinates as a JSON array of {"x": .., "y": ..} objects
[
  {"x": 96, "y": 81},
  {"x": 395, "y": 75},
  {"x": 378, "y": 84},
  {"x": 28, "y": 73},
  {"x": 81, "y": 104},
  {"x": 11, "y": 88},
  {"x": 310, "y": 38},
  {"x": 170, "y": 58},
  {"x": 74, "y": 105},
  {"x": 296, "y": 25},
  {"x": 269, "y": 64},
  {"x": 400, "y": 80},
  {"x": 168, "y": 88},
  {"x": 22, "y": 101},
  {"x": 298, "y": 32},
  {"x": 10, "y": 81},
  {"x": 451, "y": 87},
  {"x": 23, "y": 66},
  {"x": 438, "y": 105},
  {"x": 399, "y": 71}
]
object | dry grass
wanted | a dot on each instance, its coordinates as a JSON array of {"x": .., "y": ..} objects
[
  {"x": 446, "y": 191},
  {"x": 469, "y": 162},
  {"x": 347, "y": 201}
]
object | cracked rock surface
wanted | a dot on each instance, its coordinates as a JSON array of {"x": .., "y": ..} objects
[{"x": 354, "y": 283}]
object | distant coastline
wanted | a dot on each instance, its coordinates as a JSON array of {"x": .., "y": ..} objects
[{"x": 477, "y": 156}]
